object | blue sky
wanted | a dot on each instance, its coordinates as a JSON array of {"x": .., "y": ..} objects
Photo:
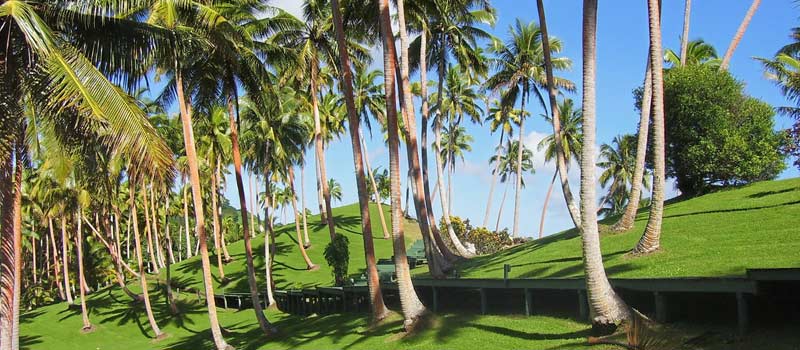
[{"x": 622, "y": 49}]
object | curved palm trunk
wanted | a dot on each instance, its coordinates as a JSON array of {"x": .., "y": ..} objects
[
  {"x": 306, "y": 240},
  {"x": 546, "y": 201},
  {"x": 460, "y": 249},
  {"x": 186, "y": 218},
  {"x": 309, "y": 264},
  {"x": 149, "y": 233},
  {"x": 651, "y": 239},
  {"x": 118, "y": 264},
  {"x": 365, "y": 156},
  {"x": 56, "y": 267},
  {"x": 605, "y": 306},
  {"x": 65, "y": 258},
  {"x": 379, "y": 310},
  {"x": 215, "y": 224},
  {"x": 561, "y": 163},
  {"x": 629, "y": 216},
  {"x": 87, "y": 325},
  {"x": 265, "y": 326},
  {"x": 500, "y": 212},
  {"x": 495, "y": 175},
  {"x": 320, "y": 152},
  {"x": 142, "y": 274},
  {"x": 197, "y": 195},
  {"x": 687, "y": 12},
  {"x": 518, "y": 177},
  {"x": 410, "y": 303},
  {"x": 726, "y": 60}
]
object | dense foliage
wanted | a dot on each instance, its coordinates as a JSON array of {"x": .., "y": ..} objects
[
  {"x": 337, "y": 254},
  {"x": 716, "y": 134},
  {"x": 484, "y": 240}
]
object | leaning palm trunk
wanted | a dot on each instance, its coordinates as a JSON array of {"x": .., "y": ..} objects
[
  {"x": 365, "y": 156},
  {"x": 500, "y": 212},
  {"x": 546, "y": 201},
  {"x": 197, "y": 195},
  {"x": 148, "y": 231},
  {"x": 138, "y": 251},
  {"x": 306, "y": 240},
  {"x": 154, "y": 211},
  {"x": 65, "y": 258},
  {"x": 186, "y": 218},
  {"x": 309, "y": 264},
  {"x": 726, "y": 60},
  {"x": 87, "y": 325},
  {"x": 265, "y": 326},
  {"x": 605, "y": 306},
  {"x": 379, "y": 310},
  {"x": 629, "y": 216},
  {"x": 410, "y": 303},
  {"x": 495, "y": 175},
  {"x": 215, "y": 225},
  {"x": 518, "y": 177},
  {"x": 320, "y": 152},
  {"x": 118, "y": 264},
  {"x": 561, "y": 163},
  {"x": 687, "y": 11},
  {"x": 56, "y": 267},
  {"x": 651, "y": 239},
  {"x": 218, "y": 214}
]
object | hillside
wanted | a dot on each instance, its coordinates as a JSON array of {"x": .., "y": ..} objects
[{"x": 719, "y": 234}]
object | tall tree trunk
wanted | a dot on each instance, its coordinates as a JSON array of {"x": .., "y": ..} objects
[
  {"x": 118, "y": 264},
  {"x": 437, "y": 132},
  {"x": 309, "y": 264},
  {"x": 197, "y": 194},
  {"x": 65, "y": 258},
  {"x": 561, "y": 163},
  {"x": 518, "y": 177},
  {"x": 410, "y": 303},
  {"x": 156, "y": 239},
  {"x": 629, "y": 216},
  {"x": 142, "y": 273},
  {"x": 186, "y": 218},
  {"x": 378, "y": 307},
  {"x": 265, "y": 326},
  {"x": 17, "y": 240},
  {"x": 167, "y": 235},
  {"x": 605, "y": 306},
  {"x": 307, "y": 241},
  {"x": 269, "y": 237},
  {"x": 7, "y": 251},
  {"x": 149, "y": 232},
  {"x": 726, "y": 60},
  {"x": 87, "y": 325},
  {"x": 687, "y": 13},
  {"x": 495, "y": 175},
  {"x": 500, "y": 212},
  {"x": 546, "y": 201},
  {"x": 33, "y": 253},
  {"x": 56, "y": 267},
  {"x": 378, "y": 203},
  {"x": 215, "y": 224},
  {"x": 323, "y": 213},
  {"x": 253, "y": 223},
  {"x": 218, "y": 213},
  {"x": 320, "y": 152},
  {"x": 651, "y": 239}
]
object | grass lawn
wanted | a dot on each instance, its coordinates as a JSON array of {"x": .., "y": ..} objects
[{"x": 719, "y": 234}]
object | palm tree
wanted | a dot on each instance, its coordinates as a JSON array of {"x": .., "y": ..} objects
[
  {"x": 687, "y": 14},
  {"x": 619, "y": 161},
  {"x": 500, "y": 117},
  {"x": 506, "y": 166},
  {"x": 698, "y": 52},
  {"x": 336, "y": 189},
  {"x": 455, "y": 142},
  {"x": 605, "y": 306},
  {"x": 726, "y": 60},
  {"x": 650, "y": 240},
  {"x": 561, "y": 162},
  {"x": 784, "y": 71},
  {"x": 519, "y": 65},
  {"x": 571, "y": 128},
  {"x": 412, "y": 307}
]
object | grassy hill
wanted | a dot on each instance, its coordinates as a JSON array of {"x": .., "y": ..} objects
[
  {"x": 719, "y": 234},
  {"x": 289, "y": 267}
]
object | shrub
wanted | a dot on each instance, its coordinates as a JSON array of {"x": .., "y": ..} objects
[
  {"x": 337, "y": 254},
  {"x": 484, "y": 240},
  {"x": 716, "y": 135}
]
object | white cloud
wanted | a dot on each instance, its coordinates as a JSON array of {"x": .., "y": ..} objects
[{"x": 295, "y": 7}]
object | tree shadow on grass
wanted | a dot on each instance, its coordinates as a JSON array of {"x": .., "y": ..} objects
[
  {"x": 733, "y": 210},
  {"x": 26, "y": 341},
  {"x": 770, "y": 193}
]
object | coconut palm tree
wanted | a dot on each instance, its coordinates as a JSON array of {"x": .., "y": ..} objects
[
  {"x": 571, "y": 129},
  {"x": 500, "y": 117},
  {"x": 784, "y": 71},
  {"x": 455, "y": 142},
  {"x": 605, "y": 306},
  {"x": 651, "y": 239},
  {"x": 726, "y": 60},
  {"x": 336, "y": 189},
  {"x": 687, "y": 14},
  {"x": 506, "y": 166},
  {"x": 561, "y": 163},
  {"x": 619, "y": 161},
  {"x": 519, "y": 74},
  {"x": 698, "y": 52}
]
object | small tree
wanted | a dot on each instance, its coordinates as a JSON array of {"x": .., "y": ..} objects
[
  {"x": 337, "y": 254},
  {"x": 715, "y": 134}
]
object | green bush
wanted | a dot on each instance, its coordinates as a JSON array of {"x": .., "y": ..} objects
[
  {"x": 337, "y": 254},
  {"x": 716, "y": 135},
  {"x": 484, "y": 240}
]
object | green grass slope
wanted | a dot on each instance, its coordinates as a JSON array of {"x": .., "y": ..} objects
[
  {"x": 719, "y": 234},
  {"x": 289, "y": 267}
]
